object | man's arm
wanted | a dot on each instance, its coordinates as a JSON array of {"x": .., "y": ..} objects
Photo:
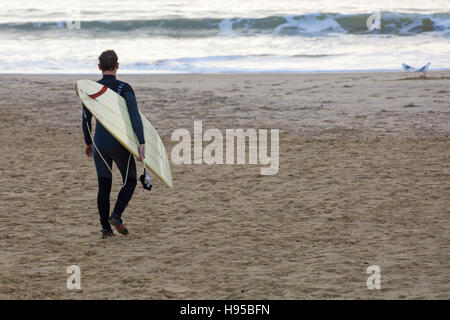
[
  {"x": 136, "y": 121},
  {"x": 86, "y": 121},
  {"x": 135, "y": 117},
  {"x": 87, "y": 125}
]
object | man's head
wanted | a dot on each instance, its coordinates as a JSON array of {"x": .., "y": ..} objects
[{"x": 107, "y": 62}]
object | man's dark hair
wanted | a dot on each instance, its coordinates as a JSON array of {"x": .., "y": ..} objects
[{"x": 108, "y": 60}]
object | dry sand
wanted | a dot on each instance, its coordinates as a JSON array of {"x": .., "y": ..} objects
[{"x": 364, "y": 180}]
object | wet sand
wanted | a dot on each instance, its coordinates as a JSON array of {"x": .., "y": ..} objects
[{"x": 364, "y": 180}]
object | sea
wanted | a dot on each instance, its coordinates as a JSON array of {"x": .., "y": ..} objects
[{"x": 223, "y": 36}]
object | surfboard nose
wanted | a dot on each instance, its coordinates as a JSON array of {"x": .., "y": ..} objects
[
  {"x": 83, "y": 88},
  {"x": 80, "y": 89}
]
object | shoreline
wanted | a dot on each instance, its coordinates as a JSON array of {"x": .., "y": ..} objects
[{"x": 364, "y": 71}]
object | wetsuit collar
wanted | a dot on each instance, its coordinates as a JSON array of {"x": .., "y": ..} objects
[{"x": 108, "y": 76}]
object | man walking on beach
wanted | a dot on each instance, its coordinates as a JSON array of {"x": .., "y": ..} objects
[{"x": 107, "y": 149}]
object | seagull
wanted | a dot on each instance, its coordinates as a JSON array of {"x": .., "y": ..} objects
[
  {"x": 424, "y": 69},
  {"x": 407, "y": 68}
]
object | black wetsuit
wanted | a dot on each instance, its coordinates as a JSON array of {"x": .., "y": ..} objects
[{"x": 111, "y": 150}]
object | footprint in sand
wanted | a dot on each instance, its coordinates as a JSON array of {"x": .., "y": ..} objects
[{"x": 411, "y": 105}]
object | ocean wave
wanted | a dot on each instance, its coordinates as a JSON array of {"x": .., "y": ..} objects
[
  {"x": 308, "y": 24},
  {"x": 224, "y": 58}
]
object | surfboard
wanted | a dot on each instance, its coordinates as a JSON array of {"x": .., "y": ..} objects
[{"x": 110, "y": 109}]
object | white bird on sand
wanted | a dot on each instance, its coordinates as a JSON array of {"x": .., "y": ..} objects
[
  {"x": 407, "y": 68},
  {"x": 425, "y": 68}
]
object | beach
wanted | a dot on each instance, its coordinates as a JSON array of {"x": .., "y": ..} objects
[{"x": 363, "y": 180}]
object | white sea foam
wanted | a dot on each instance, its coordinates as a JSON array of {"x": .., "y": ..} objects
[{"x": 165, "y": 36}]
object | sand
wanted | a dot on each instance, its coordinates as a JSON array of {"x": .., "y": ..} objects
[{"x": 363, "y": 180}]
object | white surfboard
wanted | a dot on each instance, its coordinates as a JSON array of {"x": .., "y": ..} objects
[{"x": 110, "y": 109}]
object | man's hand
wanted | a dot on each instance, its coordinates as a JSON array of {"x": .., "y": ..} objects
[
  {"x": 141, "y": 152},
  {"x": 89, "y": 151}
]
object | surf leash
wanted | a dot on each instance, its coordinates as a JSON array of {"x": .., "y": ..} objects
[{"x": 95, "y": 146}]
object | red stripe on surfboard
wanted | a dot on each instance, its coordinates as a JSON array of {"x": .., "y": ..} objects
[{"x": 98, "y": 94}]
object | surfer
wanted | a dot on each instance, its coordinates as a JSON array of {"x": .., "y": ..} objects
[{"x": 107, "y": 149}]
